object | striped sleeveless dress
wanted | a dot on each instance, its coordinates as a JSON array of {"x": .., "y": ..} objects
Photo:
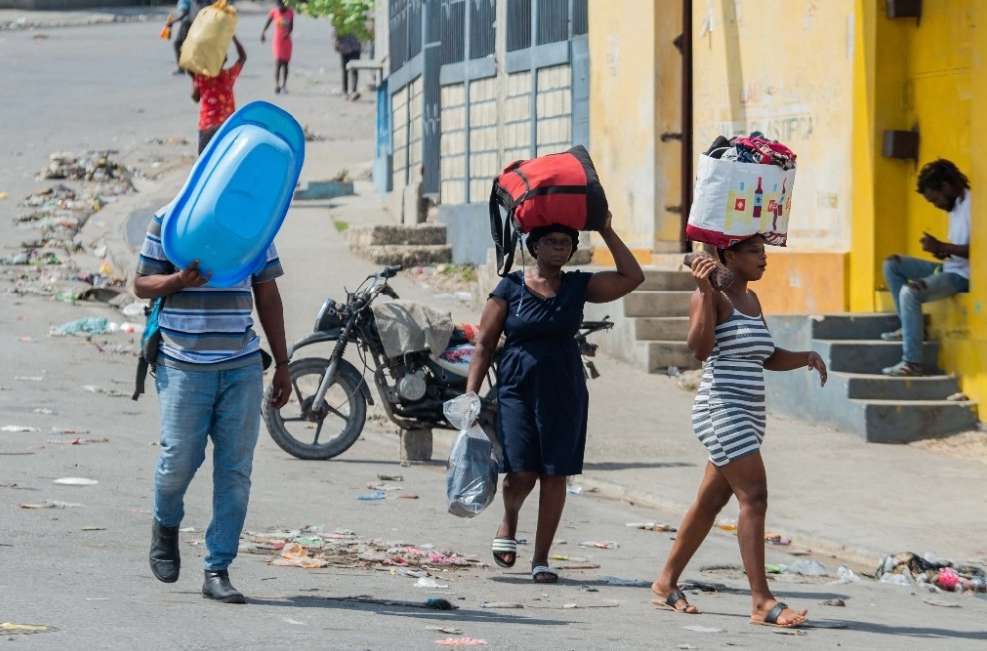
[{"x": 728, "y": 414}]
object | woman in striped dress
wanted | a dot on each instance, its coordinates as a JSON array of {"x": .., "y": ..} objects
[{"x": 727, "y": 332}]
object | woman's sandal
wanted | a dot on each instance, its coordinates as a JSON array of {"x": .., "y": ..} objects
[
  {"x": 673, "y": 598},
  {"x": 771, "y": 619},
  {"x": 502, "y": 546},
  {"x": 544, "y": 570}
]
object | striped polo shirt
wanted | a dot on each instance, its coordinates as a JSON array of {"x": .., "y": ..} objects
[{"x": 205, "y": 326}]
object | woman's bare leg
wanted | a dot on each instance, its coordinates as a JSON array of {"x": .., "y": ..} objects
[
  {"x": 714, "y": 493},
  {"x": 515, "y": 489},
  {"x": 551, "y": 501},
  {"x": 749, "y": 483}
]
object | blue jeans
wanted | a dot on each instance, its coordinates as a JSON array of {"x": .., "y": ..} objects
[
  {"x": 898, "y": 271},
  {"x": 196, "y": 405}
]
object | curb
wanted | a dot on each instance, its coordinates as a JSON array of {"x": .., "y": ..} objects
[{"x": 857, "y": 558}]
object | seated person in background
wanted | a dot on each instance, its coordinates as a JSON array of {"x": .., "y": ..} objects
[{"x": 912, "y": 281}]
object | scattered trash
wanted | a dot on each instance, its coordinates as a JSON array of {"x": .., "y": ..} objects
[
  {"x": 75, "y": 481},
  {"x": 113, "y": 393},
  {"x": 29, "y": 378},
  {"x": 703, "y": 629},
  {"x": 49, "y": 504},
  {"x": 69, "y": 431},
  {"x": 907, "y": 568},
  {"x": 448, "y": 630},
  {"x": 133, "y": 310},
  {"x": 372, "y": 497},
  {"x": 629, "y": 583},
  {"x": 777, "y": 539},
  {"x": 600, "y": 544},
  {"x": 578, "y": 566},
  {"x": 44, "y": 411},
  {"x": 390, "y": 477},
  {"x": 958, "y": 397},
  {"x": 376, "y": 486},
  {"x": 589, "y": 588},
  {"x": 941, "y": 604},
  {"x": 806, "y": 567},
  {"x": 564, "y": 557},
  {"x": 673, "y": 371},
  {"x": 660, "y": 527},
  {"x": 774, "y": 568},
  {"x": 461, "y": 641},
  {"x": 312, "y": 547},
  {"x": 794, "y": 632},
  {"x": 171, "y": 140},
  {"x": 727, "y": 524},
  {"x": 10, "y": 628},
  {"x": 17, "y": 429},
  {"x": 430, "y": 583},
  {"x": 947, "y": 579},
  {"x": 686, "y": 646},
  {"x": 904, "y": 580},
  {"x": 94, "y": 528},
  {"x": 501, "y": 605},
  {"x": 702, "y": 586},
  {"x": 312, "y": 136},
  {"x": 408, "y": 496},
  {"x": 432, "y": 603},
  {"x": 845, "y": 575},
  {"x": 838, "y": 603},
  {"x": 97, "y": 166},
  {"x": 86, "y": 326}
]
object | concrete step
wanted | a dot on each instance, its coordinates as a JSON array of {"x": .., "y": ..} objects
[
  {"x": 657, "y": 280},
  {"x": 896, "y": 421},
  {"x": 868, "y": 356},
  {"x": 854, "y": 326},
  {"x": 660, "y": 355},
  {"x": 661, "y": 328},
  {"x": 654, "y": 303},
  {"x": 406, "y": 255},
  {"x": 397, "y": 235},
  {"x": 879, "y": 387}
]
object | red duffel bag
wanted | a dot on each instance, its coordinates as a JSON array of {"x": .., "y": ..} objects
[{"x": 554, "y": 189}]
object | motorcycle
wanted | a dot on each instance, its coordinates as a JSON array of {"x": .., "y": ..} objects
[{"x": 331, "y": 395}]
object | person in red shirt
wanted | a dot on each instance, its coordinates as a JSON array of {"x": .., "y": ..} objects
[
  {"x": 284, "y": 21},
  {"x": 215, "y": 96}
]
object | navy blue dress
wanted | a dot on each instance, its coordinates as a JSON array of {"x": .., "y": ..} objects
[{"x": 541, "y": 389}]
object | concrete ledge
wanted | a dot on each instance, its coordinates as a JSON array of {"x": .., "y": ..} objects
[{"x": 397, "y": 235}]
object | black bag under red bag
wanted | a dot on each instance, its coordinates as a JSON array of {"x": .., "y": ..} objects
[{"x": 559, "y": 188}]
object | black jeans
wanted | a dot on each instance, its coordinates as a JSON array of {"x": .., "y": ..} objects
[
  {"x": 346, "y": 58},
  {"x": 180, "y": 36}
]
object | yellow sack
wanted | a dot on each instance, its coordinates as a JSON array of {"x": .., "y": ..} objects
[{"x": 208, "y": 40}]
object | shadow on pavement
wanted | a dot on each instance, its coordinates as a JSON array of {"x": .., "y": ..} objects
[
  {"x": 627, "y": 465},
  {"x": 907, "y": 631},
  {"x": 404, "y": 609}
]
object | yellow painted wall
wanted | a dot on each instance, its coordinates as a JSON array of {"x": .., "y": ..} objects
[
  {"x": 783, "y": 67},
  {"x": 928, "y": 75},
  {"x": 794, "y": 83},
  {"x": 634, "y": 91}
]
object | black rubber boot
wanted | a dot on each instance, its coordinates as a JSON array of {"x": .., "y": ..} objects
[
  {"x": 165, "y": 559},
  {"x": 217, "y": 586}
]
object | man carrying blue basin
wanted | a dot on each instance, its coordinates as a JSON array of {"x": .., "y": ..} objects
[{"x": 207, "y": 259}]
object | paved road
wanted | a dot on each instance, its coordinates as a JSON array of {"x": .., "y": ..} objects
[{"x": 82, "y": 570}]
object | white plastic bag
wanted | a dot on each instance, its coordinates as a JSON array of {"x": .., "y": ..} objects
[
  {"x": 471, "y": 477},
  {"x": 734, "y": 200}
]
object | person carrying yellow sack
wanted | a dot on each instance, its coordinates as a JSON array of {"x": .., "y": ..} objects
[{"x": 208, "y": 40}]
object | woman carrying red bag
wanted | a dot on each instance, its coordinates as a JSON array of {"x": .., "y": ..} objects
[{"x": 541, "y": 388}]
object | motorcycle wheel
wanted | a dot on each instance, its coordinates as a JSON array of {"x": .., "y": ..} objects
[{"x": 298, "y": 428}]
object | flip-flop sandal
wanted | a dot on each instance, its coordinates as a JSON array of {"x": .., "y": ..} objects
[
  {"x": 669, "y": 602},
  {"x": 771, "y": 619},
  {"x": 539, "y": 570},
  {"x": 504, "y": 546}
]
